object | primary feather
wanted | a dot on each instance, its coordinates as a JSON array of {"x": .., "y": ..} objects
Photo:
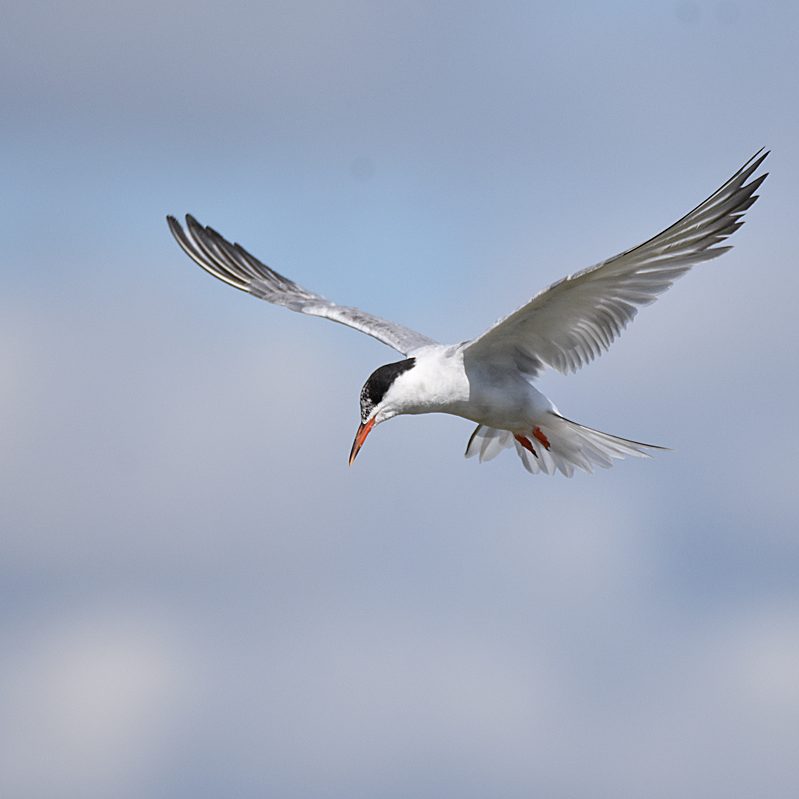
[
  {"x": 233, "y": 265},
  {"x": 578, "y": 317}
]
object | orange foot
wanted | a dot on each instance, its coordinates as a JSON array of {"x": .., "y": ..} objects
[
  {"x": 539, "y": 434},
  {"x": 526, "y": 443}
]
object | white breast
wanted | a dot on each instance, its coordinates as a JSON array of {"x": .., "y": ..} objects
[{"x": 493, "y": 396}]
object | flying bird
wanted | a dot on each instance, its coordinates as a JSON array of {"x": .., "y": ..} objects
[{"x": 490, "y": 379}]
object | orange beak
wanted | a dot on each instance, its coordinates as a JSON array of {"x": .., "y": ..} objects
[{"x": 360, "y": 437}]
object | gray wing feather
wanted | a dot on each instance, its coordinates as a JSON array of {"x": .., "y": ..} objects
[
  {"x": 577, "y": 318},
  {"x": 233, "y": 265}
]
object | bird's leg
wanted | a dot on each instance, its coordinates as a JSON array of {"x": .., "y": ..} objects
[
  {"x": 539, "y": 434},
  {"x": 526, "y": 443}
]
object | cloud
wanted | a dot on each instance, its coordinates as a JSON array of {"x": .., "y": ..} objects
[
  {"x": 89, "y": 700},
  {"x": 200, "y": 598}
]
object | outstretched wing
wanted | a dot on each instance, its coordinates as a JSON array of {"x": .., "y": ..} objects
[
  {"x": 232, "y": 264},
  {"x": 577, "y": 318}
]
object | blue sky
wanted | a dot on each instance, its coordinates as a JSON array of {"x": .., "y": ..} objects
[{"x": 200, "y": 598}]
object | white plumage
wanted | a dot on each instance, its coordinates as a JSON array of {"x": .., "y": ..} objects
[{"x": 489, "y": 379}]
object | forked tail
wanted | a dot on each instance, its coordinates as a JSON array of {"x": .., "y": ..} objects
[{"x": 557, "y": 444}]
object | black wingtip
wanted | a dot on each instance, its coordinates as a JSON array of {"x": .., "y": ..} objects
[
  {"x": 757, "y": 159},
  {"x": 174, "y": 226}
]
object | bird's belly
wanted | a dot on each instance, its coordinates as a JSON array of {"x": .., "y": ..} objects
[{"x": 513, "y": 405}]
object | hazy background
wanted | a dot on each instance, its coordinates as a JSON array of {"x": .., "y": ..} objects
[{"x": 199, "y": 598}]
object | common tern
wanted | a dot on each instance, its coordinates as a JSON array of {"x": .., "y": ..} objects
[{"x": 490, "y": 379}]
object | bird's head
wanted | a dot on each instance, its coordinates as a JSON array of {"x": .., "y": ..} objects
[{"x": 380, "y": 400}]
